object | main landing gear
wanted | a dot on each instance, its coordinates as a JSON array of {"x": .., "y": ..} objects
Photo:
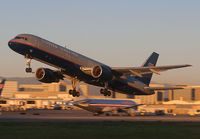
[
  {"x": 28, "y": 63},
  {"x": 105, "y": 92},
  {"x": 73, "y": 92}
]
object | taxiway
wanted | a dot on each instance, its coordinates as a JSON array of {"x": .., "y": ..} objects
[{"x": 84, "y": 116}]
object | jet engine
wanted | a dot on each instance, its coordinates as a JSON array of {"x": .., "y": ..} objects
[
  {"x": 100, "y": 72},
  {"x": 46, "y": 75}
]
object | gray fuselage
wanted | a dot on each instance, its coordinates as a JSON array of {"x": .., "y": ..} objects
[{"x": 70, "y": 63}]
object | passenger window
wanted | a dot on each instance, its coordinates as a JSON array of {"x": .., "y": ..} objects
[
  {"x": 17, "y": 38},
  {"x": 21, "y": 38}
]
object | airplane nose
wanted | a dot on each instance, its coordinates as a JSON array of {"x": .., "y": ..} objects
[
  {"x": 12, "y": 45},
  {"x": 9, "y": 43}
]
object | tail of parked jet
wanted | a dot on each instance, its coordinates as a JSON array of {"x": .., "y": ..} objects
[
  {"x": 150, "y": 62},
  {"x": 2, "y": 85}
]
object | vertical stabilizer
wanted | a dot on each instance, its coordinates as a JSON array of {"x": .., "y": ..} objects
[{"x": 150, "y": 62}]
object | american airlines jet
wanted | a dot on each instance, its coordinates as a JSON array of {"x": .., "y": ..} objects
[
  {"x": 76, "y": 67},
  {"x": 102, "y": 106}
]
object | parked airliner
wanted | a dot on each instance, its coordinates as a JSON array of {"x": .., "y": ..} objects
[
  {"x": 101, "y": 106},
  {"x": 76, "y": 67}
]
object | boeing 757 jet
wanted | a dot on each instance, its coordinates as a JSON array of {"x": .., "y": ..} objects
[{"x": 76, "y": 67}]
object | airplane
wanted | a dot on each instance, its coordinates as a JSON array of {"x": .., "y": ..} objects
[
  {"x": 77, "y": 68},
  {"x": 2, "y": 85},
  {"x": 101, "y": 106}
]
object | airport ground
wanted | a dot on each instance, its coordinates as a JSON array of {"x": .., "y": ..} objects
[
  {"x": 82, "y": 124},
  {"x": 99, "y": 130},
  {"x": 85, "y": 116}
]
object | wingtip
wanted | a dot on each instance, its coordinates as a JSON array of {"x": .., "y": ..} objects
[
  {"x": 155, "y": 53},
  {"x": 188, "y": 65}
]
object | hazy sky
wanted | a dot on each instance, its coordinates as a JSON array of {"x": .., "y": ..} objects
[{"x": 115, "y": 32}]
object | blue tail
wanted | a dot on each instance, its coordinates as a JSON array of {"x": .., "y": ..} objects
[
  {"x": 2, "y": 85},
  {"x": 151, "y": 61}
]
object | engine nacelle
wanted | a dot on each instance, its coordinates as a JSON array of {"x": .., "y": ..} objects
[
  {"x": 46, "y": 75},
  {"x": 101, "y": 72}
]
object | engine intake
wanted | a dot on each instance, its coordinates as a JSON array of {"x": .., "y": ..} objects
[
  {"x": 97, "y": 71},
  {"x": 100, "y": 72},
  {"x": 46, "y": 75}
]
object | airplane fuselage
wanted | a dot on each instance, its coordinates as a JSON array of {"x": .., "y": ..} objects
[
  {"x": 70, "y": 63},
  {"x": 106, "y": 105}
]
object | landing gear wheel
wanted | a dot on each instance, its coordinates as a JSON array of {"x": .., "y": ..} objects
[
  {"x": 109, "y": 93},
  {"x": 74, "y": 93},
  {"x": 102, "y": 91},
  {"x": 28, "y": 70},
  {"x": 70, "y": 92},
  {"x": 78, "y": 94}
]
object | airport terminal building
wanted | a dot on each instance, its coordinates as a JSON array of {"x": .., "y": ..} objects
[
  {"x": 35, "y": 96},
  {"x": 43, "y": 96}
]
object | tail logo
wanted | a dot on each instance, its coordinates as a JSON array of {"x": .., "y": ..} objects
[
  {"x": 1, "y": 86},
  {"x": 150, "y": 65}
]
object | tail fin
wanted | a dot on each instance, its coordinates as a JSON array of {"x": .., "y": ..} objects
[
  {"x": 2, "y": 85},
  {"x": 151, "y": 61}
]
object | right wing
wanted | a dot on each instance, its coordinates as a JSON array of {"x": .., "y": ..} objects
[
  {"x": 82, "y": 101},
  {"x": 139, "y": 71}
]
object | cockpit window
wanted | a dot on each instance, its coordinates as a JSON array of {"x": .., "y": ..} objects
[{"x": 24, "y": 38}]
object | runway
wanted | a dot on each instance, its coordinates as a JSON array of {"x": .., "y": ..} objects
[{"x": 84, "y": 116}]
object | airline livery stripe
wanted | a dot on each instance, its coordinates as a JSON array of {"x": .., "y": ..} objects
[
  {"x": 47, "y": 52},
  {"x": 107, "y": 105}
]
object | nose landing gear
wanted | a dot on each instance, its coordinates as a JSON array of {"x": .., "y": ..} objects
[{"x": 28, "y": 63}]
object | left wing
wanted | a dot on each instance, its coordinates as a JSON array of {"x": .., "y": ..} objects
[
  {"x": 121, "y": 109},
  {"x": 139, "y": 71},
  {"x": 133, "y": 106},
  {"x": 171, "y": 87}
]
